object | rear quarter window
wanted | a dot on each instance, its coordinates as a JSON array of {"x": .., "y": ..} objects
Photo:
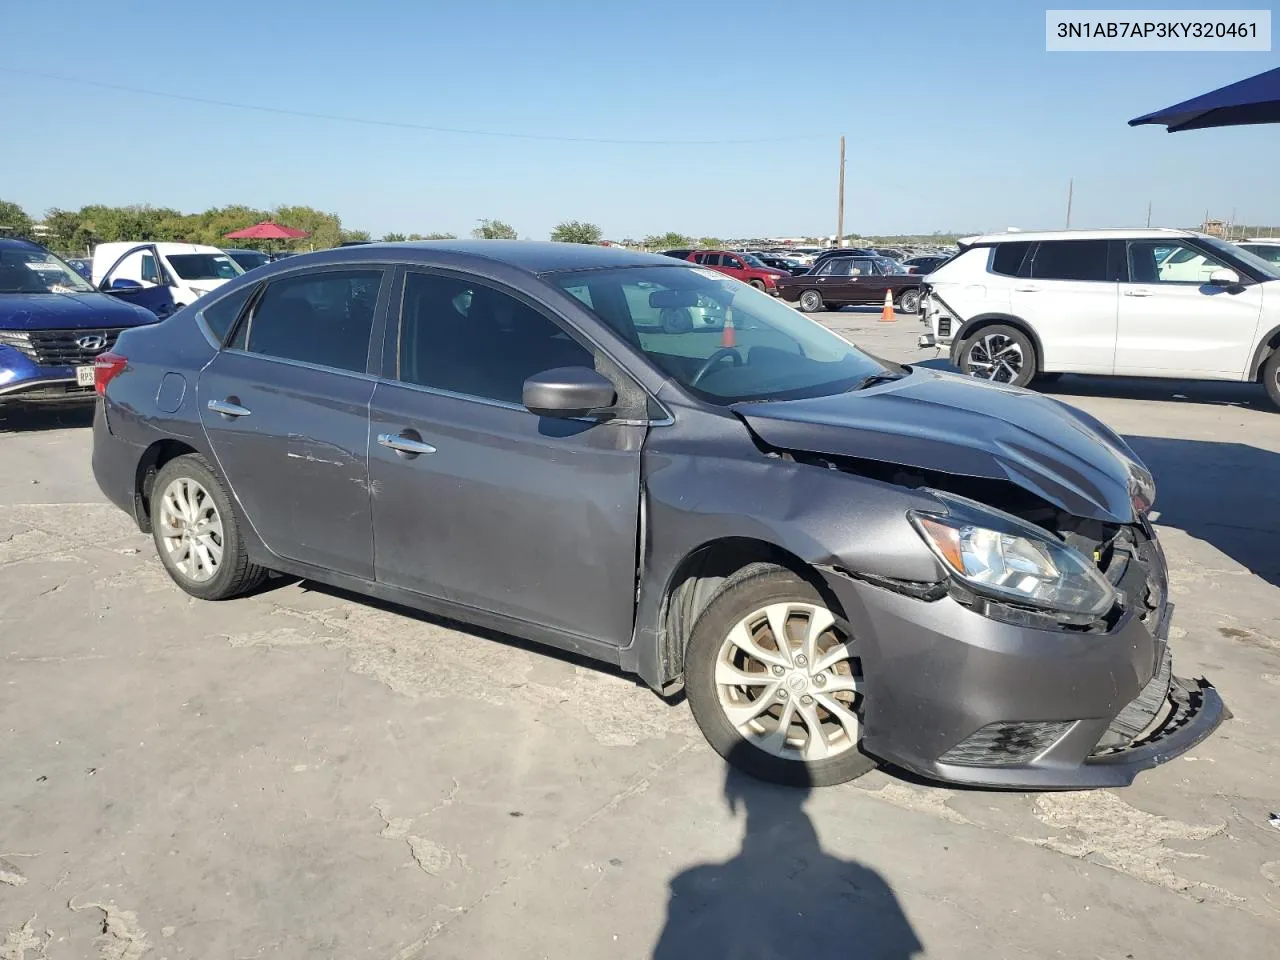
[
  {"x": 1008, "y": 257},
  {"x": 220, "y": 315}
]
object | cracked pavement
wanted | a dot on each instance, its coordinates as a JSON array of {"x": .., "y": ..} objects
[{"x": 303, "y": 773}]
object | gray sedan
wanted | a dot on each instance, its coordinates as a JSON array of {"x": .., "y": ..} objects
[{"x": 841, "y": 560}]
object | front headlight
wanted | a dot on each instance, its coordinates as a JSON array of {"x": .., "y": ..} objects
[{"x": 1000, "y": 556}]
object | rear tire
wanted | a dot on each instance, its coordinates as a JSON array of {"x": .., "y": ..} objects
[
  {"x": 814, "y": 685},
  {"x": 1000, "y": 353},
  {"x": 1271, "y": 377},
  {"x": 811, "y": 302},
  {"x": 197, "y": 532},
  {"x": 909, "y": 301}
]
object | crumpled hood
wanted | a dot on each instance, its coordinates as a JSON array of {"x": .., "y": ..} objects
[
  {"x": 68, "y": 311},
  {"x": 954, "y": 424}
]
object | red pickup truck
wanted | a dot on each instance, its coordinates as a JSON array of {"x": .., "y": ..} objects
[{"x": 740, "y": 266}]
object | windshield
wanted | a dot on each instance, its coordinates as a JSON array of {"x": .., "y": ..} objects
[
  {"x": 722, "y": 340},
  {"x": 204, "y": 266},
  {"x": 754, "y": 261},
  {"x": 248, "y": 259},
  {"x": 28, "y": 270},
  {"x": 1269, "y": 252},
  {"x": 1230, "y": 251}
]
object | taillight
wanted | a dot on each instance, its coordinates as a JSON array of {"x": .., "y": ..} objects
[{"x": 105, "y": 368}]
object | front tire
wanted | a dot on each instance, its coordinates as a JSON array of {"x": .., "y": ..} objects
[
  {"x": 1000, "y": 353},
  {"x": 909, "y": 301},
  {"x": 758, "y": 284},
  {"x": 197, "y": 533},
  {"x": 774, "y": 682},
  {"x": 811, "y": 302},
  {"x": 1271, "y": 377}
]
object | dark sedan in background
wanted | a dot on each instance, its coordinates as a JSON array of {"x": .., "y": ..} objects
[
  {"x": 840, "y": 281},
  {"x": 842, "y": 560},
  {"x": 924, "y": 265}
]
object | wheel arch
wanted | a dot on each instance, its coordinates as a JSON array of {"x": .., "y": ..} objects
[
  {"x": 149, "y": 464},
  {"x": 1268, "y": 345},
  {"x": 975, "y": 324},
  {"x": 701, "y": 574}
]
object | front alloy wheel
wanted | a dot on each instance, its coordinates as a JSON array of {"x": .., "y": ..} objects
[
  {"x": 1001, "y": 354},
  {"x": 774, "y": 680}
]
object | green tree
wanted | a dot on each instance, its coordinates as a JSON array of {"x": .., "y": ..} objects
[
  {"x": 576, "y": 231},
  {"x": 665, "y": 241},
  {"x": 349, "y": 236},
  {"x": 433, "y": 236},
  {"x": 708, "y": 241},
  {"x": 14, "y": 221},
  {"x": 494, "y": 230},
  {"x": 393, "y": 238}
]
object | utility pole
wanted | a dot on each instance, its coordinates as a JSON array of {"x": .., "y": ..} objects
[
  {"x": 840, "y": 202},
  {"x": 1148, "y": 213},
  {"x": 1070, "y": 190}
]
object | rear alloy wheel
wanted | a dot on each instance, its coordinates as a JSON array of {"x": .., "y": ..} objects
[
  {"x": 774, "y": 682},
  {"x": 196, "y": 532},
  {"x": 909, "y": 301},
  {"x": 1000, "y": 353},
  {"x": 1271, "y": 376},
  {"x": 811, "y": 301}
]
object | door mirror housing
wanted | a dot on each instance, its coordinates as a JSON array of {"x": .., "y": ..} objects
[
  {"x": 1224, "y": 278},
  {"x": 568, "y": 392},
  {"x": 123, "y": 283}
]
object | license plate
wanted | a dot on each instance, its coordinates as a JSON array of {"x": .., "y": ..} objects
[{"x": 84, "y": 376}]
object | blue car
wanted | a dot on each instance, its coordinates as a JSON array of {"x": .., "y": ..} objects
[{"x": 53, "y": 325}]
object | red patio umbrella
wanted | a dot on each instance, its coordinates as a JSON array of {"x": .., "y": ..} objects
[{"x": 267, "y": 230}]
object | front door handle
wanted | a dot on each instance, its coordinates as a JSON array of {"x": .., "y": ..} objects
[
  {"x": 1027, "y": 288},
  {"x": 405, "y": 444},
  {"x": 229, "y": 408},
  {"x": 1137, "y": 293}
]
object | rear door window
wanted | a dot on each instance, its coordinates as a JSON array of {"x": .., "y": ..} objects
[
  {"x": 324, "y": 318},
  {"x": 1071, "y": 260}
]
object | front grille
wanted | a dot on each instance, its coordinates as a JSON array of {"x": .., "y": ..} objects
[
  {"x": 1005, "y": 744},
  {"x": 61, "y": 348}
]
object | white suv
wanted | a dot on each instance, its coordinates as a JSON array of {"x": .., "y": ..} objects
[{"x": 1138, "y": 303}]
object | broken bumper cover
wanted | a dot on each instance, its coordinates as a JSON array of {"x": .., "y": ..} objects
[{"x": 956, "y": 696}]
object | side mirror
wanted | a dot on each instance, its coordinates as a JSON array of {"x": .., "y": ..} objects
[
  {"x": 567, "y": 392},
  {"x": 1224, "y": 278},
  {"x": 121, "y": 283}
]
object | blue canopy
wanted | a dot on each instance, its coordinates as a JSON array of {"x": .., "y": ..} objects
[{"x": 1255, "y": 100}]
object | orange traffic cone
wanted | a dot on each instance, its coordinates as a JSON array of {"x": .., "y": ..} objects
[
  {"x": 727, "y": 336},
  {"x": 886, "y": 315}
]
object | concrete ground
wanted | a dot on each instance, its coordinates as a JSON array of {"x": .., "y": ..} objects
[{"x": 308, "y": 774}]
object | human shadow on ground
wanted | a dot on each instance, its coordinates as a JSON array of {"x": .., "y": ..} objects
[
  {"x": 782, "y": 896},
  {"x": 1226, "y": 494}
]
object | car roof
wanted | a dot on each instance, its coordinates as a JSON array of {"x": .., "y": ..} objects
[
  {"x": 18, "y": 243},
  {"x": 1106, "y": 233},
  {"x": 531, "y": 256}
]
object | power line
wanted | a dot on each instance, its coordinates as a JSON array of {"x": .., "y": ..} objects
[{"x": 397, "y": 124}]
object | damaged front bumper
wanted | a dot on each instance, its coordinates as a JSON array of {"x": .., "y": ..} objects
[{"x": 954, "y": 695}]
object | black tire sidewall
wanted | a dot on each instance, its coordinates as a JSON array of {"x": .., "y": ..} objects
[
  {"x": 738, "y": 598},
  {"x": 1029, "y": 367},
  {"x": 1271, "y": 377},
  {"x": 226, "y": 582}
]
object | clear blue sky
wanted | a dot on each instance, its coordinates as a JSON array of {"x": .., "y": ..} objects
[{"x": 956, "y": 116}]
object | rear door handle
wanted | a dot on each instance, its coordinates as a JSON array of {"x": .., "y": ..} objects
[
  {"x": 1137, "y": 293},
  {"x": 405, "y": 445},
  {"x": 228, "y": 408}
]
